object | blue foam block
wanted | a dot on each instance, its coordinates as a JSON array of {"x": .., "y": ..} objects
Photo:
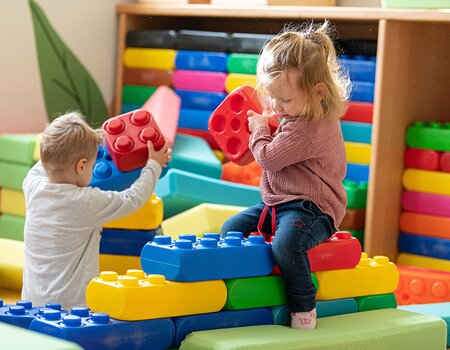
[
  {"x": 23, "y": 313},
  {"x": 324, "y": 308},
  {"x": 182, "y": 190},
  {"x": 356, "y": 132},
  {"x": 201, "y": 60},
  {"x": 422, "y": 245},
  {"x": 194, "y": 119},
  {"x": 128, "y": 107},
  {"x": 362, "y": 91},
  {"x": 362, "y": 70},
  {"x": 208, "y": 101},
  {"x": 209, "y": 259},
  {"x": 193, "y": 154},
  {"x": 185, "y": 325},
  {"x": 357, "y": 172},
  {"x": 125, "y": 242},
  {"x": 99, "y": 331}
]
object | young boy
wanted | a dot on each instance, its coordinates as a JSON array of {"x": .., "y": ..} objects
[{"x": 64, "y": 216}]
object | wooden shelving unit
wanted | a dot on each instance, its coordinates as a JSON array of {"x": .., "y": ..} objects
[{"x": 412, "y": 79}]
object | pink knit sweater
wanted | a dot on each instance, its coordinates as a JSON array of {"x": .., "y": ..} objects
[{"x": 302, "y": 160}]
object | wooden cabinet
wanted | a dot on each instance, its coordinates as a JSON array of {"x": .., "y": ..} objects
[{"x": 412, "y": 79}]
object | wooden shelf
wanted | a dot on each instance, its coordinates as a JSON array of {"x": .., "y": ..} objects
[{"x": 413, "y": 66}]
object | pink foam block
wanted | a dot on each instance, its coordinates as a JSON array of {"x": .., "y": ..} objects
[
  {"x": 426, "y": 203},
  {"x": 164, "y": 105},
  {"x": 199, "y": 81},
  {"x": 444, "y": 163},
  {"x": 422, "y": 159}
]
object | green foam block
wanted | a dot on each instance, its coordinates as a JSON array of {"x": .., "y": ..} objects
[
  {"x": 376, "y": 302},
  {"x": 12, "y": 175},
  {"x": 137, "y": 93},
  {"x": 388, "y": 329},
  {"x": 12, "y": 226},
  {"x": 244, "y": 63},
  {"x": 17, "y": 148},
  {"x": 22, "y": 339}
]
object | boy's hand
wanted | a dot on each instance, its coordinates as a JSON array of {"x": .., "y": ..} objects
[
  {"x": 163, "y": 156},
  {"x": 255, "y": 120}
]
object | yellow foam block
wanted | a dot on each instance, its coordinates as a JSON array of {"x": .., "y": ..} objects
[
  {"x": 10, "y": 296},
  {"x": 201, "y": 219},
  {"x": 11, "y": 264},
  {"x": 119, "y": 263},
  {"x": 149, "y": 58},
  {"x": 234, "y": 80},
  {"x": 369, "y": 277},
  {"x": 423, "y": 261},
  {"x": 358, "y": 152},
  {"x": 219, "y": 155},
  {"x": 427, "y": 181},
  {"x": 137, "y": 296},
  {"x": 37, "y": 148},
  {"x": 12, "y": 202},
  {"x": 149, "y": 217}
]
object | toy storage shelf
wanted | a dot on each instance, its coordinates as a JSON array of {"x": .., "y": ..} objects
[{"x": 412, "y": 79}]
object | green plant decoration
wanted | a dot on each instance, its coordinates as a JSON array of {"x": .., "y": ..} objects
[{"x": 66, "y": 83}]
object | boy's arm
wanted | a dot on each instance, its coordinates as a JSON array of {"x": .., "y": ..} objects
[
  {"x": 112, "y": 205},
  {"x": 35, "y": 174}
]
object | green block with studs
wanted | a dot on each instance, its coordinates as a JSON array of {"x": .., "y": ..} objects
[
  {"x": 429, "y": 135},
  {"x": 356, "y": 194},
  {"x": 376, "y": 302}
]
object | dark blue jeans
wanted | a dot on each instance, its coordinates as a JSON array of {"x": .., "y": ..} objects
[{"x": 301, "y": 225}]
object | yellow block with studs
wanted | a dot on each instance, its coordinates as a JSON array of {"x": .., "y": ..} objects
[
  {"x": 436, "y": 182},
  {"x": 149, "y": 217},
  {"x": 358, "y": 152},
  {"x": 136, "y": 296},
  {"x": 149, "y": 58},
  {"x": 423, "y": 262},
  {"x": 12, "y": 202},
  {"x": 119, "y": 263},
  {"x": 234, "y": 80},
  {"x": 369, "y": 277}
]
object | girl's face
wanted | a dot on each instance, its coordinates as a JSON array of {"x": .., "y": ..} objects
[{"x": 285, "y": 97}]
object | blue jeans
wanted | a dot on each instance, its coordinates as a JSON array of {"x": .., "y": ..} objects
[{"x": 301, "y": 225}]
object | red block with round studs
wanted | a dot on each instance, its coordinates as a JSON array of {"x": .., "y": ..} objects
[
  {"x": 127, "y": 136},
  {"x": 228, "y": 124}
]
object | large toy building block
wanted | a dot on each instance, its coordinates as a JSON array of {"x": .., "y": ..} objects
[
  {"x": 99, "y": 331},
  {"x": 357, "y": 172},
  {"x": 139, "y": 297},
  {"x": 441, "y": 310},
  {"x": 12, "y": 175},
  {"x": 181, "y": 190},
  {"x": 125, "y": 242},
  {"x": 12, "y": 226},
  {"x": 12, "y": 202},
  {"x": 229, "y": 124},
  {"x": 224, "y": 319},
  {"x": 359, "y": 69},
  {"x": 357, "y": 132},
  {"x": 244, "y": 63},
  {"x": 359, "y": 112},
  {"x": 235, "y": 80},
  {"x": 23, "y": 312},
  {"x": 429, "y": 135},
  {"x": 354, "y": 219},
  {"x": 119, "y": 263},
  {"x": 356, "y": 194},
  {"x": 22, "y": 339},
  {"x": 149, "y": 58},
  {"x": 340, "y": 251},
  {"x": 444, "y": 162},
  {"x": 422, "y": 286},
  {"x": 422, "y": 159},
  {"x": 363, "y": 91},
  {"x": 106, "y": 176},
  {"x": 376, "y": 302},
  {"x": 427, "y": 181},
  {"x": 193, "y": 154},
  {"x": 196, "y": 119},
  {"x": 201, "y": 40},
  {"x": 11, "y": 264},
  {"x": 148, "y": 217},
  {"x": 426, "y": 203},
  {"x": 324, "y": 308},
  {"x": 370, "y": 276},
  {"x": 137, "y": 94},
  {"x": 203, "y": 218},
  {"x": 209, "y": 259},
  {"x": 164, "y": 106},
  {"x": 359, "y": 153},
  {"x": 201, "y": 61},
  {"x": 249, "y": 174},
  {"x": 199, "y": 81},
  {"x": 126, "y": 138},
  {"x": 163, "y": 39},
  {"x": 422, "y": 245},
  {"x": 424, "y": 224},
  {"x": 17, "y": 148},
  {"x": 207, "y": 101},
  {"x": 147, "y": 77},
  {"x": 423, "y": 262},
  {"x": 380, "y": 329}
]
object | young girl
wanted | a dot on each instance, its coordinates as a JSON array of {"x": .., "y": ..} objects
[{"x": 304, "y": 161}]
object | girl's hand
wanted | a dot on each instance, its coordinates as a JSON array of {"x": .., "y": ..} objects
[{"x": 255, "y": 120}]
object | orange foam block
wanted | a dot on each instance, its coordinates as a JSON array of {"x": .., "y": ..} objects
[
  {"x": 164, "y": 105},
  {"x": 427, "y": 225},
  {"x": 249, "y": 174}
]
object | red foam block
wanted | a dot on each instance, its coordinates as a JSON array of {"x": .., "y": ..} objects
[
  {"x": 359, "y": 112},
  {"x": 444, "y": 163},
  {"x": 422, "y": 159}
]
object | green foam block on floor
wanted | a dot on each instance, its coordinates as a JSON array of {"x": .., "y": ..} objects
[
  {"x": 388, "y": 329},
  {"x": 17, "y": 148},
  {"x": 12, "y": 226},
  {"x": 12, "y": 175},
  {"x": 22, "y": 339}
]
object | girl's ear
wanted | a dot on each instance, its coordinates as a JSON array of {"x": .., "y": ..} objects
[
  {"x": 81, "y": 165},
  {"x": 319, "y": 90}
]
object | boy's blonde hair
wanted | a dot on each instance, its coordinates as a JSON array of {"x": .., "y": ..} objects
[
  {"x": 311, "y": 52},
  {"x": 67, "y": 139}
]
